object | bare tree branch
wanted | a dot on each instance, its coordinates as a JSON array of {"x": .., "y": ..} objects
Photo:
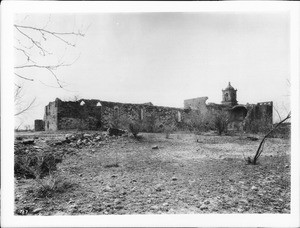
[
  {"x": 53, "y": 67},
  {"x": 260, "y": 147},
  {"x": 20, "y": 43},
  {"x": 29, "y": 79},
  {"x": 26, "y": 54},
  {"x": 26, "y": 108},
  {"x": 34, "y": 42},
  {"x": 50, "y": 32},
  {"x": 277, "y": 112},
  {"x": 56, "y": 78},
  {"x": 43, "y": 31}
]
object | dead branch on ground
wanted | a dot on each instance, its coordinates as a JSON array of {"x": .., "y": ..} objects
[{"x": 261, "y": 145}]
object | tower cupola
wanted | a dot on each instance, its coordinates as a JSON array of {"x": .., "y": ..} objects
[{"x": 229, "y": 96}]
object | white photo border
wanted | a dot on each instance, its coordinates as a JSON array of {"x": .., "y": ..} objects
[{"x": 8, "y": 219}]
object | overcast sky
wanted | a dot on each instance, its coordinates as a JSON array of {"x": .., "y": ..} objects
[{"x": 161, "y": 57}]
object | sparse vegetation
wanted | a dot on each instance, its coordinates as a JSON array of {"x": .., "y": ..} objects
[
  {"x": 89, "y": 174},
  {"x": 220, "y": 120},
  {"x": 260, "y": 125},
  {"x": 35, "y": 165},
  {"x": 135, "y": 127},
  {"x": 197, "y": 123},
  {"x": 262, "y": 143}
]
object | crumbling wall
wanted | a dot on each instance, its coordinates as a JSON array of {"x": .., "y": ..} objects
[
  {"x": 153, "y": 115},
  {"x": 96, "y": 114},
  {"x": 237, "y": 117},
  {"x": 261, "y": 111},
  {"x": 39, "y": 125},
  {"x": 259, "y": 117},
  {"x": 198, "y": 103},
  {"x": 80, "y": 115},
  {"x": 50, "y": 116}
]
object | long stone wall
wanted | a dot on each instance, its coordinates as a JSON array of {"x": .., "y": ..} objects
[
  {"x": 97, "y": 115},
  {"x": 153, "y": 115}
]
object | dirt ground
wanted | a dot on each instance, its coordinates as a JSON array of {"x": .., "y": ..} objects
[{"x": 187, "y": 174}]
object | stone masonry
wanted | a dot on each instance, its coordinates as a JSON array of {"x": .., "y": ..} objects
[{"x": 98, "y": 115}]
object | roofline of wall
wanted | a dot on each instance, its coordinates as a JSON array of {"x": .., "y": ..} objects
[{"x": 119, "y": 103}]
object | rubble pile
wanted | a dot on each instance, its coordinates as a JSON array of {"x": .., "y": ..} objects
[
  {"x": 36, "y": 157},
  {"x": 79, "y": 140}
]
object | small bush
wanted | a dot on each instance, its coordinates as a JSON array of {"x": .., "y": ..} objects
[
  {"x": 197, "y": 122},
  {"x": 151, "y": 124},
  {"x": 220, "y": 120},
  {"x": 259, "y": 126},
  {"x": 134, "y": 128},
  {"x": 52, "y": 185},
  {"x": 169, "y": 128},
  {"x": 35, "y": 165}
]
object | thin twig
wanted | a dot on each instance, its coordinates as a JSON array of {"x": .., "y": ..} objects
[
  {"x": 29, "y": 79},
  {"x": 260, "y": 147},
  {"x": 27, "y": 108},
  {"x": 34, "y": 42},
  {"x": 26, "y": 54}
]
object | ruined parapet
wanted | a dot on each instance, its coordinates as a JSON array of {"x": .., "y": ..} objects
[
  {"x": 198, "y": 103},
  {"x": 50, "y": 116},
  {"x": 264, "y": 110},
  {"x": 82, "y": 115},
  {"x": 259, "y": 117},
  {"x": 39, "y": 125}
]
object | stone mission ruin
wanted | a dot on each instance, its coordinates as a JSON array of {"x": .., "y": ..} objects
[{"x": 98, "y": 115}]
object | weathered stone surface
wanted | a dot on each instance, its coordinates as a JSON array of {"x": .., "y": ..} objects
[
  {"x": 39, "y": 125},
  {"x": 99, "y": 115}
]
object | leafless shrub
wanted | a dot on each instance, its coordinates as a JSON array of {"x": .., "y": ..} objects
[
  {"x": 52, "y": 185},
  {"x": 43, "y": 169},
  {"x": 262, "y": 125},
  {"x": 135, "y": 127},
  {"x": 261, "y": 144},
  {"x": 169, "y": 128},
  {"x": 197, "y": 122},
  {"x": 220, "y": 121}
]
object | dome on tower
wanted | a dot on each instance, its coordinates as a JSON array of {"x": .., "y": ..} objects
[
  {"x": 229, "y": 87},
  {"x": 229, "y": 96}
]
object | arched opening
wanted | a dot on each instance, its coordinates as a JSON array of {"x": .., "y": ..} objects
[
  {"x": 239, "y": 112},
  {"x": 226, "y": 96},
  {"x": 116, "y": 111}
]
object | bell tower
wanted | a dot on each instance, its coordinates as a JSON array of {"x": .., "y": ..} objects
[{"x": 229, "y": 96}]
